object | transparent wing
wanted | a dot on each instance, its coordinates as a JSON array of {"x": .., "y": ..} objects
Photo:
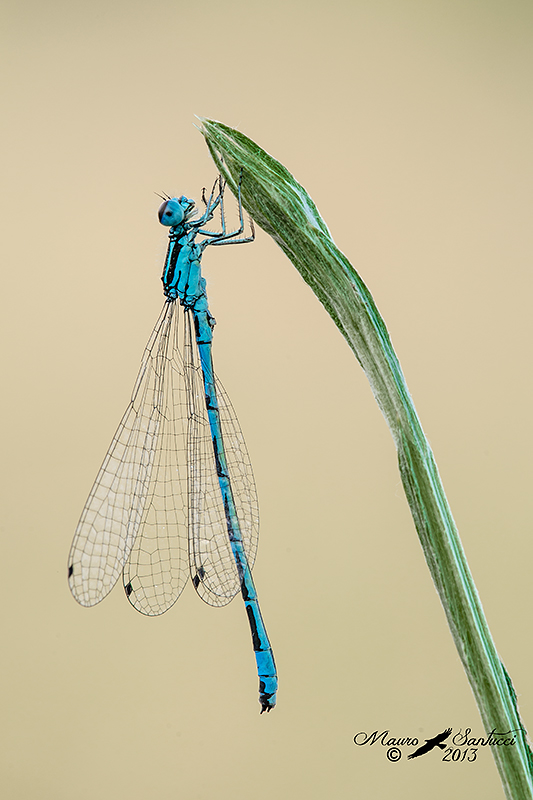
[
  {"x": 158, "y": 477},
  {"x": 212, "y": 564},
  {"x": 156, "y": 571},
  {"x": 121, "y": 500}
]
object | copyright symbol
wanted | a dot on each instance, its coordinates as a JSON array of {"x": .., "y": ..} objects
[{"x": 394, "y": 754}]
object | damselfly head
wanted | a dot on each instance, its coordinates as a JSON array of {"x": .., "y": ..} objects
[{"x": 176, "y": 210}]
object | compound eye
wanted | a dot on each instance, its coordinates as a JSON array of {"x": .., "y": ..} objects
[{"x": 171, "y": 213}]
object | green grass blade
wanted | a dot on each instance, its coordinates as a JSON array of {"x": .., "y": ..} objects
[{"x": 282, "y": 207}]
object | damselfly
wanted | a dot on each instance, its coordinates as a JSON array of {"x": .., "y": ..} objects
[{"x": 175, "y": 493}]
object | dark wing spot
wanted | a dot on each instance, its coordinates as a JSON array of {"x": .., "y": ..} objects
[
  {"x": 129, "y": 589},
  {"x": 71, "y": 570},
  {"x": 200, "y": 575}
]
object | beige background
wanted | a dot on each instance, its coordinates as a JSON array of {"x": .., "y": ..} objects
[{"x": 410, "y": 125}]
